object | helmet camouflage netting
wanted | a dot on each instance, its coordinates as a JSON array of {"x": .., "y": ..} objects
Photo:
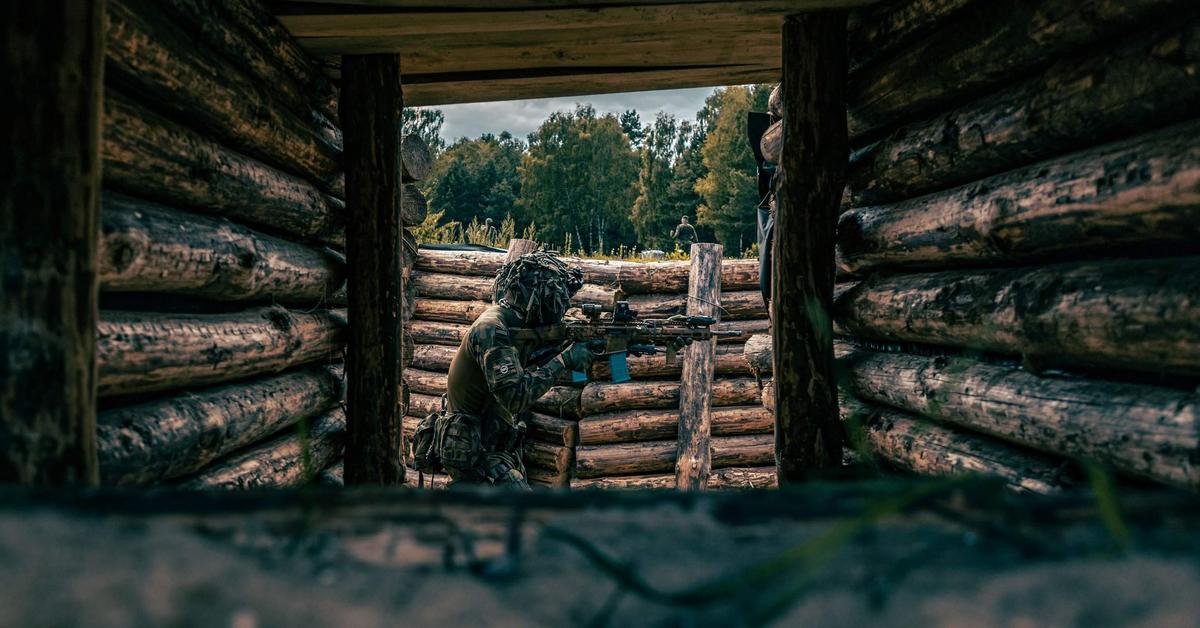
[{"x": 538, "y": 285}]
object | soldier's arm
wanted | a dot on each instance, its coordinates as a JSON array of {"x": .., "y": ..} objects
[{"x": 514, "y": 387}]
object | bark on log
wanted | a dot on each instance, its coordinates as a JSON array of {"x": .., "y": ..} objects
[
  {"x": 775, "y": 102},
  {"x": 547, "y": 456},
  {"x": 433, "y": 333},
  {"x": 148, "y": 157},
  {"x": 448, "y": 311},
  {"x": 731, "y": 478},
  {"x": 771, "y": 143},
  {"x": 287, "y": 460},
  {"x": 433, "y": 357},
  {"x": 467, "y": 288},
  {"x": 987, "y": 44},
  {"x": 884, "y": 27},
  {"x": 146, "y": 247},
  {"x": 735, "y": 306},
  {"x": 253, "y": 17},
  {"x": 809, "y": 186},
  {"x": 421, "y": 405},
  {"x": 644, "y": 425},
  {"x": 548, "y": 477},
  {"x": 553, "y": 430},
  {"x": 425, "y": 382},
  {"x": 631, "y": 277},
  {"x": 1142, "y": 193},
  {"x": 333, "y": 475},
  {"x": 603, "y": 397},
  {"x": 178, "y": 435},
  {"x": 371, "y": 113},
  {"x": 1151, "y": 81},
  {"x": 693, "y": 461},
  {"x": 416, "y": 159},
  {"x": 51, "y": 58},
  {"x": 648, "y": 482},
  {"x": 1127, "y": 314},
  {"x": 518, "y": 247},
  {"x": 413, "y": 208},
  {"x": 141, "y": 352},
  {"x": 929, "y": 449},
  {"x": 1148, "y": 431},
  {"x": 151, "y": 54},
  {"x": 758, "y": 353},
  {"x": 729, "y": 362},
  {"x": 659, "y": 456},
  {"x": 560, "y": 401}
]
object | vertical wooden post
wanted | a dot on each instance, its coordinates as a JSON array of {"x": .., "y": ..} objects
[
  {"x": 518, "y": 247},
  {"x": 53, "y": 61},
  {"x": 693, "y": 462},
  {"x": 370, "y": 110},
  {"x": 808, "y": 434}
]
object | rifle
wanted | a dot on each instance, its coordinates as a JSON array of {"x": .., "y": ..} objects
[{"x": 618, "y": 336}]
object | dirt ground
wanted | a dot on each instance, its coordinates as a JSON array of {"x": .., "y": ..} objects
[{"x": 968, "y": 557}]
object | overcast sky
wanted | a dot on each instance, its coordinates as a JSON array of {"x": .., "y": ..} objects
[{"x": 520, "y": 117}]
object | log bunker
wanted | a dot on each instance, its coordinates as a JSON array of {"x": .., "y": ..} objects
[{"x": 1016, "y": 258}]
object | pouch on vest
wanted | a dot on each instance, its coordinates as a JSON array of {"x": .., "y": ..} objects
[{"x": 459, "y": 440}]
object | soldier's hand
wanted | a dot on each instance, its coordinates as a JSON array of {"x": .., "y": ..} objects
[{"x": 578, "y": 357}]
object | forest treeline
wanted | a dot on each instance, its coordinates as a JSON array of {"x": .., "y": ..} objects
[{"x": 603, "y": 183}]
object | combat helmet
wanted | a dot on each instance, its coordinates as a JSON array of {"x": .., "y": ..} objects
[{"x": 538, "y": 286}]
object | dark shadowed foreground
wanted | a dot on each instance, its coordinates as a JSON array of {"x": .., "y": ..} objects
[{"x": 885, "y": 554}]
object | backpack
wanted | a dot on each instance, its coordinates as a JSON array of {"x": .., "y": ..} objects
[{"x": 446, "y": 439}]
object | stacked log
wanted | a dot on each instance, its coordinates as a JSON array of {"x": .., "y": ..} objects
[{"x": 452, "y": 288}]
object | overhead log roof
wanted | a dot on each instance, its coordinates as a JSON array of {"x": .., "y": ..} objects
[{"x": 458, "y": 51}]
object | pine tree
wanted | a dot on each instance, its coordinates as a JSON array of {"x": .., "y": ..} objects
[{"x": 653, "y": 212}]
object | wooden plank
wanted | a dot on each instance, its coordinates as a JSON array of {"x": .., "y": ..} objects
[
  {"x": 370, "y": 111},
  {"x": 51, "y": 58},
  {"x": 812, "y": 175},
  {"x": 693, "y": 460}
]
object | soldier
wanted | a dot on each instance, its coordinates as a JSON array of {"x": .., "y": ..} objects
[
  {"x": 489, "y": 231},
  {"x": 684, "y": 235},
  {"x": 492, "y": 384}
]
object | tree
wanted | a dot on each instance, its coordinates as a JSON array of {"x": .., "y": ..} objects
[
  {"x": 653, "y": 212},
  {"x": 730, "y": 186},
  {"x": 579, "y": 179},
  {"x": 687, "y": 168},
  {"x": 631, "y": 124},
  {"x": 427, "y": 124},
  {"x": 477, "y": 179}
]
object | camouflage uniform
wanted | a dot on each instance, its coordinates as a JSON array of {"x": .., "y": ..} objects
[
  {"x": 489, "y": 375},
  {"x": 684, "y": 235}
]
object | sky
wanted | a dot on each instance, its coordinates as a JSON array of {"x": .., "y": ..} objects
[{"x": 521, "y": 117}]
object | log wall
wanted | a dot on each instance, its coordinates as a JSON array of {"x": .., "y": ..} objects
[
  {"x": 1019, "y": 242},
  {"x": 605, "y": 435},
  {"x": 220, "y": 335}
]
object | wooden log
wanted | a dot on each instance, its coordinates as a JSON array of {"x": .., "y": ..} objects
[
  {"x": 561, "y": 402},
  {"x": 768, "y": 396},
  {"x": 141, "y": 352},
  {"x": 413, "y": 207},
  {"x": 547, "y": 456},
  {"x": 518, "y": 247},
  {"x": 434, "y": 333},
  {"x": 433, "y": 357},
  {"x": 732, "y": 478},
  {"x": 448, "y": 311},
  {"x": 370, "y": 111},
  {"x": 775, "y": 102},
  {"x": 887, "y": 26},
  {"x": 1128, "y": 314},
  {"x": 809, "y": 187},
  {"x": 631, "y": 277},
  {"x": 177, "y": 435},
  {"x": 604, "y": 397},
  {"x": 735, "y": 306},
  {"x": 1139, "y": 194},
  {"x": 145, "y": 247},
  {"x": 51, "y": 57},
  {"x": 425, "y": 382},
  {"x": 929, "y": 449},
  {"x": 1149, "y": 431},
  {"x": 468, "y": 288},
  {"x": 986, "y": 45},
  {"x": 290, "y": 459},
  {"x": 659, "y": 456},
  {"x": 693, "y": 462},
  {"x": 148, "y": 157},
  {"x": 1149, "y": 82},
  {"x": 333, "y": 475},
  {"x": 553, "y": 430},
  {"x": 421, "y": 405},
  {"x": 742, "y": 478},
  {"x": 758, "y": 353},
  {"x": 253, "y": 17},
  {"x": 150, "y": 53},
  {"x": 748, "y": 329},
  {"x": 771, "y": 143},
  {"x": 729, "y": 362},
  {"x": 551, "y": 478},
  {"x": 648, "y": 482},
  {"x": 642, "y": 425}
]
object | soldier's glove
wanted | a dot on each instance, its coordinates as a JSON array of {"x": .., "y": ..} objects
[
  {"x": 578, "y": 357},
  {"x": 679, "y": 342}
]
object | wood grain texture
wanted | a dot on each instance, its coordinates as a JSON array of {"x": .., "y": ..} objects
[
  {"x": 642, "y": 425},
  {"x": 809, "y": 191},
  {"x": 370, "y": 111},
  {"x": 51, "y": 58},
  {"x": 693, "y": 460},
  {"x": 290, "y": 459},
  {"x": 659, "y": 456},
  {"x": 138, "y": 352},
  {"x": 930, "y": 449},
  {"x": 1140, "y": 194},
  {"x": 147, "y": 156},
  {"x": 1149, "y": 81},
  {"x": 1148, "y": 431},
  {"x": 730, "y": 478},
  {"x": 177, "y": 435},
  {"x": 1140, "y": 315},
  {"x": 146, "y": 247}
]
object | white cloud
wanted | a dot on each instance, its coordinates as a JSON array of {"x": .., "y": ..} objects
[{"x": 520, "y": 117}]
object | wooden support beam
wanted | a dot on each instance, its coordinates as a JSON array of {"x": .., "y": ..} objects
[
  {"x": 812, "y": 174},
  {"x": 370, "y": 111},
  {"x": 518, "y": 247},
  {"x": 693, "y": 461},
  {"x": 51, "y": 59}
]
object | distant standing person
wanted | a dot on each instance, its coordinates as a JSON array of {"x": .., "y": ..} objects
[
  {"x": 684, "y": 235},
  {"x": 489, "y": 231}
]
